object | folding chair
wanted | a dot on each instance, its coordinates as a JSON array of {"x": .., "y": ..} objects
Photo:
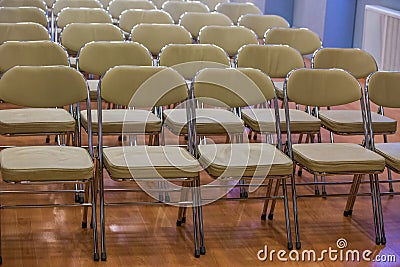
[
  {"x": 194, "y": 21},
  {"x": 23, "y": 14},
  {"x": 256, "y": 162},
  {"x": 332, "y": 87},
  {"x": 45, "y": 89},
  {"x": 24, "y": 3},
  {"x": 159, "y": 3},
  {"x": 116, "y": 7},
  {"x": 381, "y": 89},
  {"x": 24, "y": 31},
  {"x": 177, "y": 8},
  {"x": 213, "y": 3},
  {"x": 235, "y": 10},
  {"x": 138, "y": 86},
  {"x": 261, "y": 23}
]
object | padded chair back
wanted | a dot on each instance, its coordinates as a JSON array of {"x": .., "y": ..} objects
[
  {"x": 213, "y": 3},
  {"x": 177, "y": 8},
  {"x": 194, "y": 21},
  {"x": 105, "y": 3},
  {"x": 116, "y": 7},
  {"x": 25, "y": 31},
  {"x": 143, "y": 86},
  {"x": 20, "y": 3},
  {"x": 43, "y": 86},
  {"x": 275, "y": 60},
  {"x": 188, "y": 59},
  {"x": 98, "y": 57},
  {"x": 132, "y": 17},
  {"x": 159, "y": 3},
  {"x": 383, "y": 88},
  {"x": 229, "y": 38},
  {"x": 156, "y": 36},
  {"x": 231, "y": 87},
  {"x": 322, "y": 87},
  {"x": 60, "y": 4},
  {"x": 356, "y": 61},
  {"x": 23, "y": 14},
  {"x": 76, "y": 35},
  {"x": 261, "y": 23},
  {"x": 31, "y": 53},
  {"x": 304, "y": 40},
  {"x": 235, "y": 10},
  {"x": 82, "y": 15}
]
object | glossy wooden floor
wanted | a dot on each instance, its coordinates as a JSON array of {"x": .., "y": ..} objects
[{"x": 234, "y": 233}]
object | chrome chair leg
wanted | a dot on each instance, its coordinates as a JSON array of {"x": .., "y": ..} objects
[
  {"x": 268, "y": 194},
  {"x": 374, "y": 208},
  {"x": 287, "y": 216}
]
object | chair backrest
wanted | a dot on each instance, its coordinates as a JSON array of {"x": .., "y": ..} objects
[
  {"x": 194, "y": 21},
  {"x": 383, "y": 88},
  {"x": 98, "y": 57},
  {"x": 105, "y": 3},
  {"x": 116, "y": 7},
  {"x": 231, "y": 87},
  {"x": 322, "y": 87},
  {"x": 229, "y": 38},
  {"x": 31, "y": 53},
  {"x": 213, "y": 3},
  {"x": 159, "y": 3},
  {"x": 20, "y": 3},
  {"x": 82, "y": 15},
  {"x": 261, "y": 23},
  {"x": 177, "y": 8},
  {"x": 76, "y": 35},
  {"x": 23, "y": 14},
  {"x": 49, "y": 3},
  {"x": 275, "y": 60},
  {"x": 235, "y": 10},
  {"x": 303, "y": 39},
  {"x": 156, "y": 36},
  {"x": 358, "y": 62},
  {"x": 60, "y": 4},
  {"x": 188, "y": 59},
  {"x": 132, "y": 17},
  {"x": 43, "y": 86},
  {"x": 25, "y": 31},
  {"x": 143, "y": 86}
]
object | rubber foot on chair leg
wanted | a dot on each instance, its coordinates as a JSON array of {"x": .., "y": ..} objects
[
  {"x": 299, "y": 172},
  {"x": 203, "y": 250},
  {"x": 84, "y": 225},
  {"x": 391, "y": 190},
  {"x": 81, "y": 200},
  {"x": 347, "y": 213},
  {"x": 120, "y": 138},
  {"x": 377, "y": 241},
  {"x": 96, "y": 257},
  {"x": 324, "y": 194},
  {"x": 47, "y": 140},
  {"x": 383, "y": 241},
  {"x": 263, "y": 217},
  {"x": 317, "y": 192},
  {"x": 255, "y": 137},
  {"x": 103, "y": 256},
  {"x": 183, "y": 219},
  {"x": 76, "y": 198},
  {"x": 298, "y": 245},
  {"x": 178, "y": 223},
  {"x": 290, "y": 246},
  {"x": 270, "y": 216},
  {"x": 197, "y": 253}
]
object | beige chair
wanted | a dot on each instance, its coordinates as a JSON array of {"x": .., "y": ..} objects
[
  {"x": 155, "y": 36},
  {"x": 333, "y": 87},
  {"x": 23, "y": 14},
  {"x": 261, "y": 23},
  {"x": 45, "y": 89},
  {"x": 302, "y": 39},
  {"x": 194, "y": 21},
  {"x": 229, "y": 38},
  {"x": 159, "y": 3},
  {"x": 235, "y": 10},
  {"x": 76, "y": 35},
  {"x": 213, "y": 3},
  {"x": 138, "y": 86},
  {"x": 116, "y": 7},
  {"x": 253, "y": 162},
  {"x": 132, "y": 17},
  {"x": 25, "y": 31},
  {"x": 22, "y": 3},
  {"x": 177, "y": 8}
]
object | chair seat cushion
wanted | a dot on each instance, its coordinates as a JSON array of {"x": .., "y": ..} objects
[
  {"x": 150, "y": 162},
  {"x": 35, "y": 120},
  {"x": 45, "y": 163},
  {"x": 245, "y": 159},
  {"x": 124, "y": 120},
  {"x": 263, "y": 120},
  {"x": 391, "y": 152},
  {"x": 350, "y": 121},
  {"x": 208, "y": 121},
  {"x": 337, "y": 158}
]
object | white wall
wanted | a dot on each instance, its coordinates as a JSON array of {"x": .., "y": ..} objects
[{"x": 310, "y": 14}]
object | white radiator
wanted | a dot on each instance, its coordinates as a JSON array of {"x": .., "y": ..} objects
[{"x": 381, "y": 36}]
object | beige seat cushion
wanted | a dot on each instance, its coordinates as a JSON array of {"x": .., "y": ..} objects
[
  {"x": 263, "y": 120},
  {"x": 337, "y": 158},
  {"x": 35, "y": 120},
  {"x": 123, "y": 120},
  {"x": 391, "y": 152},
  {"x": 46, "y": 163},
  {"x": 350, "y": 121},
  {"x": 208, "y": 121},
  {"x": 246, "y": 159},
  {"x": 150, "y": 162}
]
